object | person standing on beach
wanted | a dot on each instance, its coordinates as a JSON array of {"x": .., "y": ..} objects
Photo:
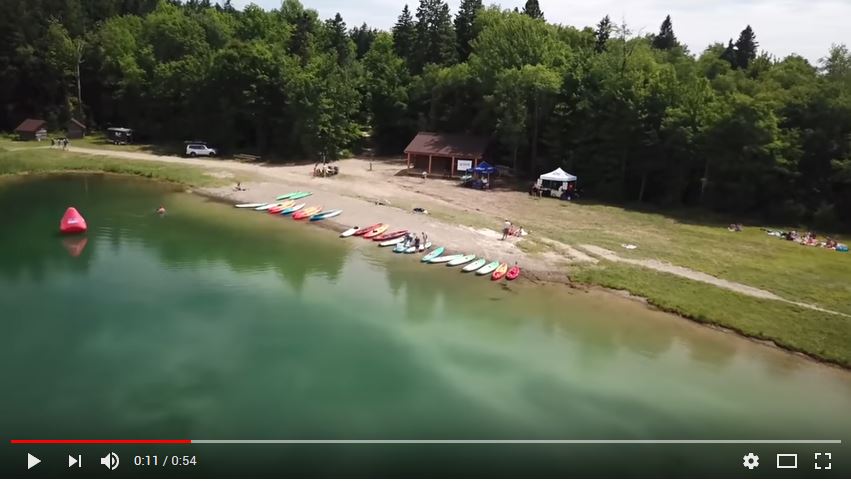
[
  {"x": 505, "y": 229},
  {"x": 425, "y": 238}
]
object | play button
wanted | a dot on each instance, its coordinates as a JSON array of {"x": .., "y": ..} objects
[{"x": 32, "y": 461}]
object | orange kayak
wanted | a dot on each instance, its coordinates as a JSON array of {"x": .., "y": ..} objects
[
  {"x": 377, "y": 231},
  {"x": 500, "y": 271},
  {"x": 305, "y": 213},
  {"x": 283, "y": 205}
]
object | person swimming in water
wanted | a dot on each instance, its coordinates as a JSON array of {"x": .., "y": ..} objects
[{"x": 161, "y": 210}]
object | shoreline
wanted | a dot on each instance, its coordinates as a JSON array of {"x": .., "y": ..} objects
[
  {"x": 562, "y": 279},
  {"x": 537, "y": 267}
]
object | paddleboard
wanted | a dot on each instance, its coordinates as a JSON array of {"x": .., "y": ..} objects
[
  {"x": 462, "y": 260},
  {"x": 363, "y": 231},
  {"x": 266, "y": 206},
  {"x": 287, "y": 196},
  {"x": 513, "y": 273},
  {"x": 440, "y": 260},
  {"x": 248, "y": 206},
  {"x": 305, "y": 213},
  {"x": 377, "y": 231},
  {"x": 499, "y": 272},
  {"x": 476, "y": 265},
  {"x": 326, "y": 215},
  {"x": 350, "y": 232},
  {"x": 292, "y": 209},
  {"x": 300, "y": 195},
  {"x": 488, "y": 268},
  {"x": 431, "y": 255},
  {"x": 413, "y": 249},
  {"x": 392, "y": 242}
]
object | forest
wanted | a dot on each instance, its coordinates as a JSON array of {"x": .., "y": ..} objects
[{"x": 638, "y": 117}]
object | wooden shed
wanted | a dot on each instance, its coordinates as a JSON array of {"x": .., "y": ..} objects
[
  {"x": 32, "y": 129},
  {"x": 445, "y": 154},
  {"x": 76, "y": 129}
]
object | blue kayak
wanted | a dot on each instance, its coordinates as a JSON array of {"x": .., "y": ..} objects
[
  {"x": 326, "y": 215},
  {"x": 292, "y": 209}
]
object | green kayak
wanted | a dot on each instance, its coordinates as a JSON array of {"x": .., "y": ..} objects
[
  {"x": 287, "y": 196},
  {"x": 488, "y": 268},
  {"x": 299, "y": 195},
  {"x": 431, "y": 255}
]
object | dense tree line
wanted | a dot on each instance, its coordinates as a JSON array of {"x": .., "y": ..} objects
[{"x": 637, "y": 117}]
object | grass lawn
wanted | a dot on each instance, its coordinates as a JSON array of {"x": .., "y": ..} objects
[
  {"x": 808, "y": 274},
  {"x": 825, "y": 336},
  {"x": 43, "y": 161}
]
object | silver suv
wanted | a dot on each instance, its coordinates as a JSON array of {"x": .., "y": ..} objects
[{"x": 193, "y": 150}]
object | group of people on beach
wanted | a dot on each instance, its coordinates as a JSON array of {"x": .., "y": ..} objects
[
  {"x": 508, "y": 229},
  {"x": 413, "y": 240}
]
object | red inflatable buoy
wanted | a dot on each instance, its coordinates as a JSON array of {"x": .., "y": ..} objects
[{"x": 72, "y": 222}]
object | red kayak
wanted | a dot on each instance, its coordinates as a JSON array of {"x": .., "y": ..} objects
[
  {"x": 366, "y": 229},
  {"x": 72, "y": 222},
  {"x": 513, "y": 273},
  {"x": 392, "y": 235}
]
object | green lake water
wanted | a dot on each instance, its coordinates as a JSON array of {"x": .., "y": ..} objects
[{"x": 220, "y": 323}]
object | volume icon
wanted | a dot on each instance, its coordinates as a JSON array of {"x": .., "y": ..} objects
[{"x": 110, "y": 461}]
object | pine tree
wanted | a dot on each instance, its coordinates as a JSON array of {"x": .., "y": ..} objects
[
  {"x": 666, "y": 40},
  {"x": 363, "y": 37},
  {"x": 338, "y": 38},
  {"x": 434, "y": 41},
  {"x": 464, "y": 26},
  {"x": 403, "y": 36},
  {"x": 746, "y": 47},
  {"x": 604, "y": 30},
  {"x": 729, "y": 54},
  {"x": 533, "y": 9}
]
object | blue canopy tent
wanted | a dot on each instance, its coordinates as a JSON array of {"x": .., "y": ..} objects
[
  {"x": 479, "y": 171},
  {"x": 484, "y": 168}
]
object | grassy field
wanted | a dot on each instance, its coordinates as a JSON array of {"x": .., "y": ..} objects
[
  {"x": 822, "y": 335},
  {"x": 43, "y": 161}
]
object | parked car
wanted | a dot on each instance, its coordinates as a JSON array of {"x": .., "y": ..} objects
[{"x": 193, "y": 150}]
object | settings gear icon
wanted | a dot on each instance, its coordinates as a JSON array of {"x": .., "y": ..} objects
[{"x": 751, "y": 461}]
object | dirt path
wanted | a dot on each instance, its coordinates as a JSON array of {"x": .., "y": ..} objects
[
  {"x": 366, "y": 190},
  {"x": 687, "y": 273}
]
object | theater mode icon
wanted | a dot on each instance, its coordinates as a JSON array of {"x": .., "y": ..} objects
[{"x": 787, "y": 461}]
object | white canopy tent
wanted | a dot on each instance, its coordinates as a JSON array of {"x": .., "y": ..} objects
[{"x": 558, "y": 175}]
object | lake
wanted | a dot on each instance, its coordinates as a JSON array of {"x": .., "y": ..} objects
[{"x": 220, "y": 323}]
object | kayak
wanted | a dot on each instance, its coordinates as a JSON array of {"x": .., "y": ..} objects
[
  {"x": 377, "y": 231},
  {"x": 350, "y": 232},
  {"x": 462, "y": 260},
  {"x": 367, "y": 229},
  {"x": 440, "y": 260},
  {"x": 326, "y": 215},
  {"x": 392, "y": 242},
  {"x": 292, "y": 209},
  {"x": 299, "y": 195},
  {"x": 476, "y": 265},
  {"x": 305, "y": 213},
  {"x": 400, "y": 247},
  {"x": 499, "y": 273},
  {"x": 266, "y": 206},
  {"x": 248, "y": 206},
  {"x": 287, "y": 196},
  {"x": 431, "y": 255},
  {"x": 413, "y": 249},
  {"x": 392, "y": 235},
  {"x": 283, "y": 205},
  {"x": 72, "y": 222},
  {"x": 513, "y": 273},
  {"x": 488, "y": 268}
]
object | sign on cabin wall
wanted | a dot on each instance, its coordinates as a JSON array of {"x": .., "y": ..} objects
[{"x": 464, "y": 165}]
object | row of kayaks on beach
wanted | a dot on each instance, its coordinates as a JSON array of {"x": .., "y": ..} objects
[
  {"x": 401, "y": 241},
  {"x": 286, "y": 205}
]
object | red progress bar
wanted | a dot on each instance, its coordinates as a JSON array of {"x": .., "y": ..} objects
[{"x": 101, "y": 441}]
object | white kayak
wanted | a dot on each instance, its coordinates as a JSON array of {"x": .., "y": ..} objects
[
  {"x": 440, "y": 260},
  {"x": 248, "y": 206},
  {"x": 462, "y": 260},
  {"x": 488, "y": 268},
  {"x": 350, "y": 232},
  {"x": 266, "y": 206},
  {"x": 413, "y": 249},
  {"x": 477, "y": 264},
  {"x": 392, "y": 242}
]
